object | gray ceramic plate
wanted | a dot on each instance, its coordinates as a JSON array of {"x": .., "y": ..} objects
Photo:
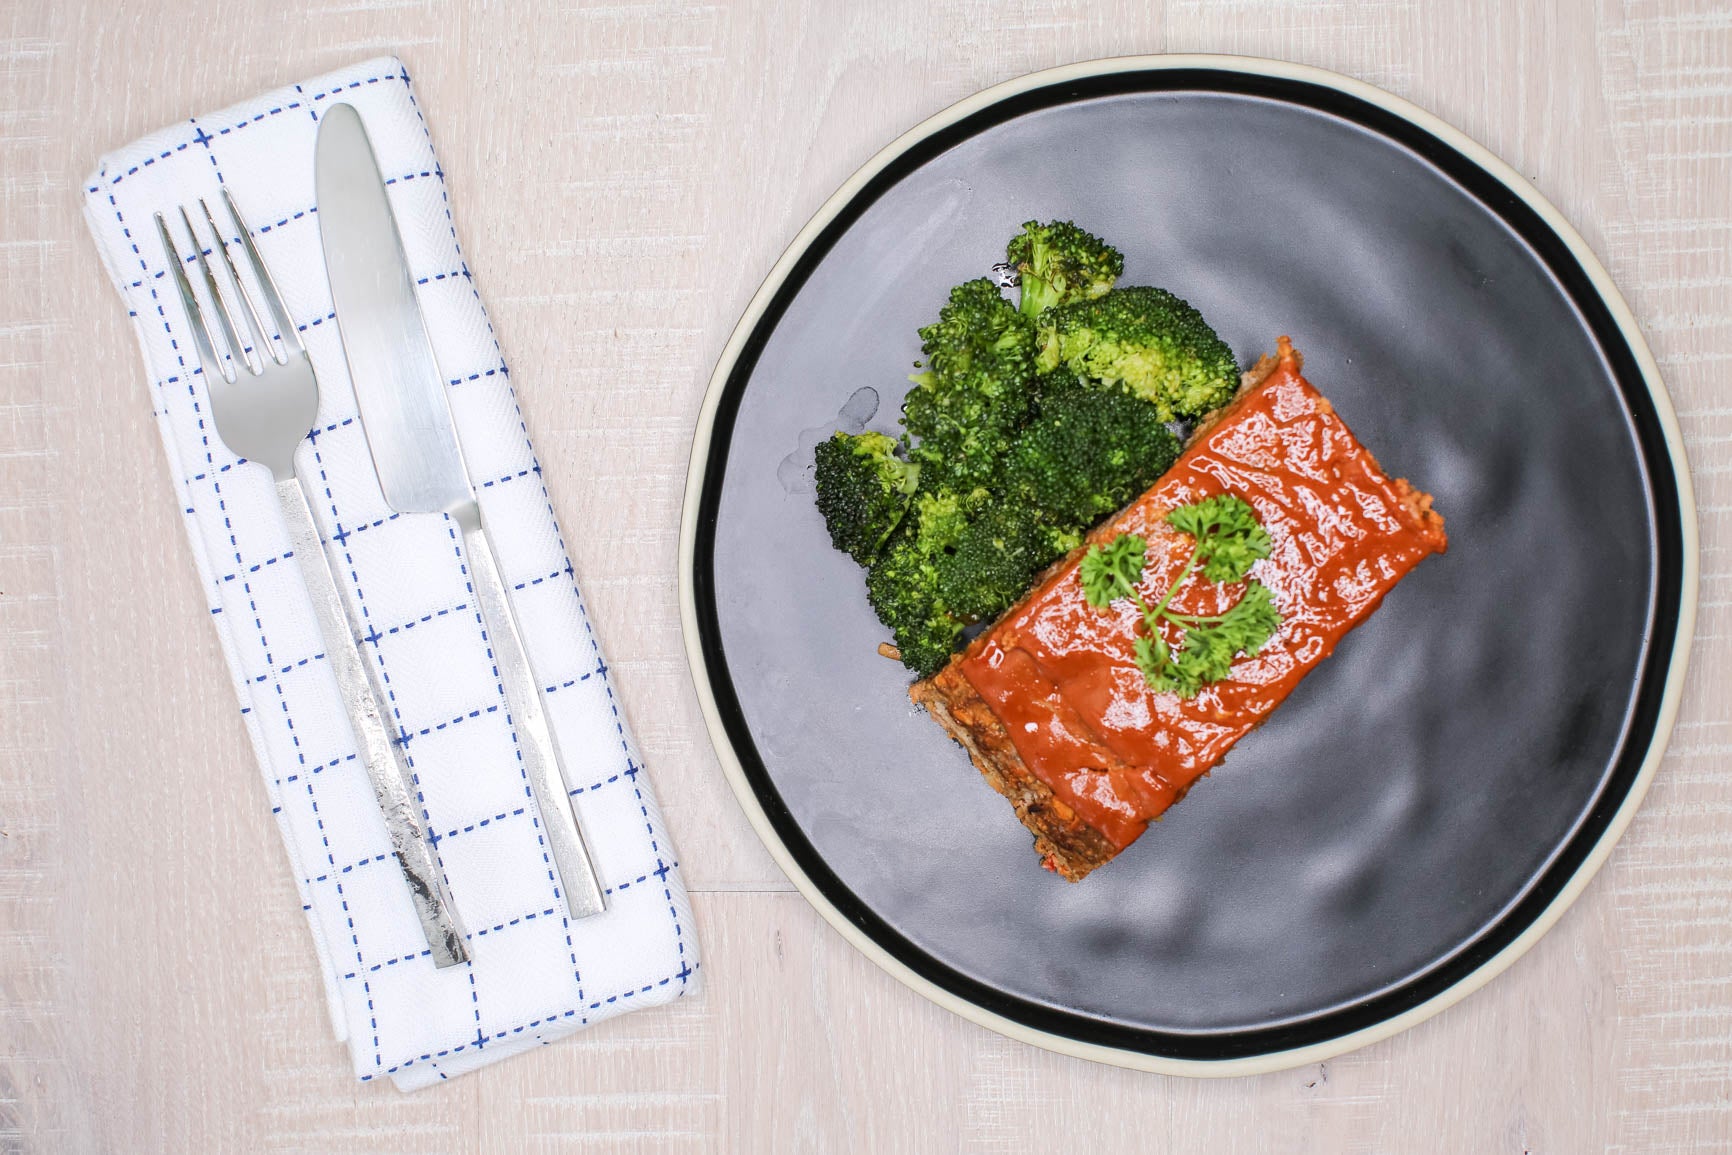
[{"x": 1431, "y": 798}]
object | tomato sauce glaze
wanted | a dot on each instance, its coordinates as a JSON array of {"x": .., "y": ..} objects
[{"x": 1061, "y": 675}]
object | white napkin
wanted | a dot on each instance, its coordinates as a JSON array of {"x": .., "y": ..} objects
[{"x": 535, "y": 974}]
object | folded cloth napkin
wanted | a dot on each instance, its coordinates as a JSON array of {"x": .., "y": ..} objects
[{"x": 535, "y": 974}]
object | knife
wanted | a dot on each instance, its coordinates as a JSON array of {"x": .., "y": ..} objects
[{"x": 419, "y": 455}]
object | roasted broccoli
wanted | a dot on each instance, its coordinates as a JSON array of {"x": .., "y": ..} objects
[
  {"x": 1059, "y": 262},
  {"x": 1146, "y": 339},
  {"x": 966, "y": 405},
  {"x": 928, "y": 593},
  {"x": 864, "y": 490},
  {"x": 1025, "y": 427},
  {"x": 1087, "y": 453},
  {"x": 944, "y": 516},
  {"x": 903, "y": 586},
  {"x": 996, "y": 559}
]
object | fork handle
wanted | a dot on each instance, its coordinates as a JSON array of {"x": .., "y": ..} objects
[
  {"x": 383, "y": 759},
  {"x": 535, "y": 740}
]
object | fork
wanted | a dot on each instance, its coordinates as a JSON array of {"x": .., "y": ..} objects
[{"x": 263, "y": 417}]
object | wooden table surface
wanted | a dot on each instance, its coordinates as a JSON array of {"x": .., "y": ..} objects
[{"x": 624, "y": 174}]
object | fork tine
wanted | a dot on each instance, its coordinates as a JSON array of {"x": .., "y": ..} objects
[
  {"x": 255, "y": 324},
  {"x": 225, "y": 318},
  {"x": 291, "y": 336},
  {"x": 194, "y": 315}
]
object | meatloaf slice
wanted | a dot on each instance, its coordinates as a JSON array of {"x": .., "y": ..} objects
[{"x": 1049, "y": 702}]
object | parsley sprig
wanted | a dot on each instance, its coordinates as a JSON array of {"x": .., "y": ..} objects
[{"x": 1229, "y": 542}]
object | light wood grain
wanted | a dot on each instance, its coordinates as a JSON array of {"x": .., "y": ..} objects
[{"x": 624, "y": 174}]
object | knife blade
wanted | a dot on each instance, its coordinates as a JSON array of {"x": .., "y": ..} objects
[{"x": 418, "y": 452}]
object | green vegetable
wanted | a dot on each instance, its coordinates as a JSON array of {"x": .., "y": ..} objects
[
  {"x": 1059, "y": 262},
  {"x": 1212, "y": 643},
  {"x": 975, "y": 391},
  {"x": 996, "y": 560},
  {"x": 903, "y": 586},
  {"x": 1112, "y": 571},
  {"x": 1027, "y": 424},
  {"x": 863, "y": 491},
  {"x": 943, "y": 517},
  {"x": 928, "y": 585},
  {"x": 1087, "y": 453},
  {"x": 1147, "y": 340},
  {"x": 1229, "y": 541},
  {"x": 966, "y": 557}
]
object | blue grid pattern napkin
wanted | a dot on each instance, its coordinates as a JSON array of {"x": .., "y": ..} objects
[{"x": 535, "y": 974}]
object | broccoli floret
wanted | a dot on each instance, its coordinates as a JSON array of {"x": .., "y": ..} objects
[
  {"x": 926, "y": 596},
  {"x": 863, "y": 491},
  {"x": 903, "y": 587},
  {"x": 1155, "y": 344},
  {"x": 1059, "y": 262},
  {"x": 974, "y": 393},
  {"x": 944, "y": 516},
  {"x": 996, "y": 559},
  {"x": 1088, "y": 453}
]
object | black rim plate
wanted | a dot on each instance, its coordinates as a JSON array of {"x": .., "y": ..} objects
[{"x": 1435, "y": 251}]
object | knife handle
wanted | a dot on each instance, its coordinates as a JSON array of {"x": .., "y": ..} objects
[
  {"x": 385, "y": 769},
  {"x": 540, "y": 750}
]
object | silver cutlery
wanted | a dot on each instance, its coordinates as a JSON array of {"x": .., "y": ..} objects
[
  {"x": 262, "y": 415},
  {"x": 418, "y": 453}
]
